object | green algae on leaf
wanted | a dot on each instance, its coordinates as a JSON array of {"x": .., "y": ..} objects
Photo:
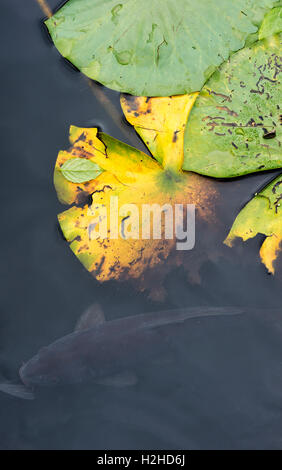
[
  {"x": 153, "y": 47},
  {"x": 263, "y": 214},
  {"x": 235, "y": 125}
]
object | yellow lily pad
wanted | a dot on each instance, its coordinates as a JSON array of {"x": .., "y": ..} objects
[
  {"x": 263, "y": 214},
  {"x": 131, "y": 179},
  {"x": 161, "y": 123}
]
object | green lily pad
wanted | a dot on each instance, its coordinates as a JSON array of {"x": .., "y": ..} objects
[
  {"x": 235, "y": 125},
  {"x": 272, "y": 23},
  {"x": 263, "y": 214},
  {"x": 153, "y": 47}
]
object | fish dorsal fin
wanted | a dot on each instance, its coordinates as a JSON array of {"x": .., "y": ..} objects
[{"x": 92, "y": 317}]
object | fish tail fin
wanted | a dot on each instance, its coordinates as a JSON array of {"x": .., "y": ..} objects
[{"x": 17, "y": 390}]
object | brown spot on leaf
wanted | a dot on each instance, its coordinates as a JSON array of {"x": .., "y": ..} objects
[
  {"x": 229, "y": 111},
  {"x": 175, "y": 136},
  {"x": 225, "y": 97},
  {"x": 269, "y": 134}
]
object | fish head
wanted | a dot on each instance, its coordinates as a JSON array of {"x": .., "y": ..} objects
[{"x": 41, "y": 370}]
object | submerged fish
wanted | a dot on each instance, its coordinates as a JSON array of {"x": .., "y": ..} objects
[{"x": 105, "y": 352}]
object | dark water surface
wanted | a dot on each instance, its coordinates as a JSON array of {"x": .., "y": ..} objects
[{"x": 223, "y": 389}]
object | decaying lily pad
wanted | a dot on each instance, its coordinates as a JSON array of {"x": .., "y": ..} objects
[
  {"x": 263, "y": 214},
  {"x": 235, "y": 125},
  {"x": 160, "y": 122},
  {"x": 86, "y": 144},
  {"x": 153, "y": 47},
  {"x": 133, "y": 178}
]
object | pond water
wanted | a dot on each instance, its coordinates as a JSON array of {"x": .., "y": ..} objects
[{"x": 223, "y": 387}]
